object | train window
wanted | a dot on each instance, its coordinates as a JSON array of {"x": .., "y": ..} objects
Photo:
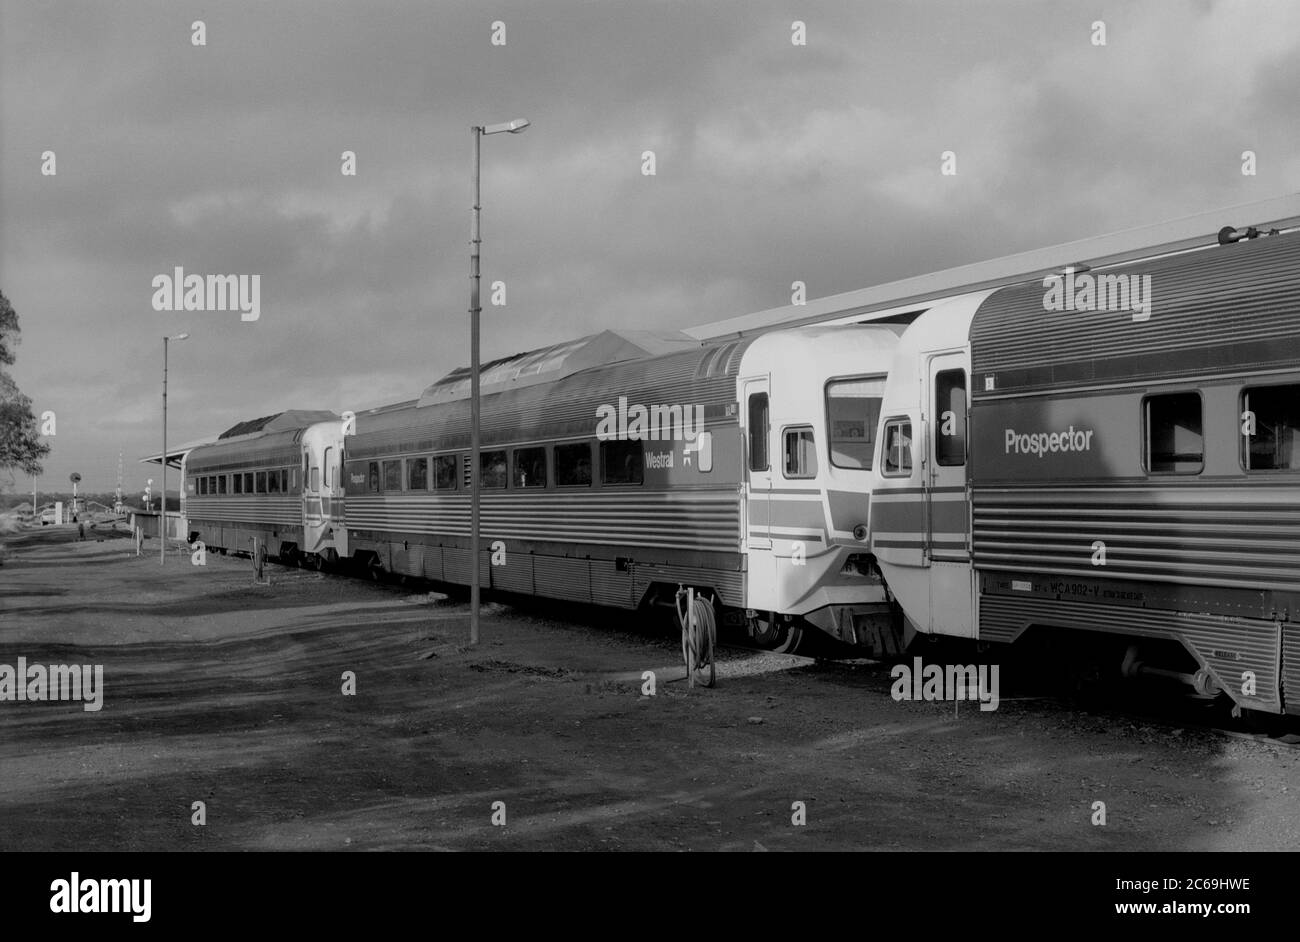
[
  {"x": 203, "y": 485},
  {"x": 622, "y": 462},
  {"x": 221, "y": 483},
  {"x": 1174, "y": 441},
  {"x": 327, "y": 463},
  {"x": 800, "y": 452},
  {"x": 573, "y": 465},
  {"x": 493, "y": 468},
  {"x": 392, "y": 476},
  {"x": 260, "y": 478},
  {"x": 248, "y": 482},
  {"x": 1270, "y": 428},
  {"x": 372, "y": 477},
  {"x": 444, "y": 467},
  {"x": 852, "y": 413},
  {"x": 273, "y": 482},
  {"x": 236, "y": 484},
  {"x": 293, "y": 478},
  {"x": 530, "y": 467},
  {"x": 950, "y": 418},
  {"x": 897, "y": 448},
  {"x": 417, "y": 474},
  {"x": 758, "y": 432}
]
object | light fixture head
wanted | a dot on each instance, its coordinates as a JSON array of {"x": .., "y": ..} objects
[{"x": 512, "y": 127}]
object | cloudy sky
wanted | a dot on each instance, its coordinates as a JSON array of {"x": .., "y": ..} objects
[{"x": 775, "y": 163}]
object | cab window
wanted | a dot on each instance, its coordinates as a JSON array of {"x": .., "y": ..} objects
[
  {"x": 799, "y": 453},
  {"x": 852, "y": 414},
  {"x": 897, "y": 448}
]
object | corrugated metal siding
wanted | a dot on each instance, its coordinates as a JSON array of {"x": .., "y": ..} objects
[
  {"x": 681, "y": 519},
  {"x": 259, "y": 509},
  {"x": 1228, "y": 646},
  {"x": 563, "y": 408},
  {"x": 729, "y": 583},
  {"x": 1291, "y": 667},
  {"x": 1235, "y": 536},
  {"x": 1221, "y": 309}
]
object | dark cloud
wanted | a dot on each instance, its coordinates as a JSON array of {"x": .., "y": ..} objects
[{"x": 775, "y": 163}]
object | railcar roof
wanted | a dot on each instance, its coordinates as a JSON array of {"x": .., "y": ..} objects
[
  {"x": 279, "y": 422},
  {"x": 1216, "y": 310},
  {"x": 557, "y": 361}
]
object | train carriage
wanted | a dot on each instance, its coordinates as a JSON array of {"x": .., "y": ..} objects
[
  {"x": 1125, "y": 466},
  {"x": 257, "y": 480},
  {"x": 619, "y": 467}
]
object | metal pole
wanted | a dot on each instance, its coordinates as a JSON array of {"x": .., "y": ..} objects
[
  {"x": 162, "y": 518},
  {"x": 474, "y": 311}
]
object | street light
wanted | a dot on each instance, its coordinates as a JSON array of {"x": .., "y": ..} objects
[
  {"x": 510, "y": 127},
  {"x": 162, "y": 517}
]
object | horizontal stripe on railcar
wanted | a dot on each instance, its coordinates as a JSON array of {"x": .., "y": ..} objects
[
  {"x": 285, "y": 511},
  {"x": 1228, "y": 537},
  {"x": 694, "y": 521}
]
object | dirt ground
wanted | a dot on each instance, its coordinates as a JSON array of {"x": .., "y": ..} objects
[{"x": 219, "y": 691}]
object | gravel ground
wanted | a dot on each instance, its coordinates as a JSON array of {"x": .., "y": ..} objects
[{"x": 230, "y": 694}]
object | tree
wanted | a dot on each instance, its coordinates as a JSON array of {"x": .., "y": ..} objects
[{"x": 20, "y": 441}]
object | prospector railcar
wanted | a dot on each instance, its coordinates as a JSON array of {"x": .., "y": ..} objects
[
  {"x": 1118, "y": 470},
  {"x": 618, "y": 467},
  {"x": 269, "y": 478}
]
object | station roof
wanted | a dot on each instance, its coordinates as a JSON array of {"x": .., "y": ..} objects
[
  {"x": 1179, "y": 235},
  {"x": 176, "y": 455}
]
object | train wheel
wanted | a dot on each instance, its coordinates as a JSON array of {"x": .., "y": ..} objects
[{"x": 776, "y": 635}]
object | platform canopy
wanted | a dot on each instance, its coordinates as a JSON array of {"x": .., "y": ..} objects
[{"x": 176, "y": 455}]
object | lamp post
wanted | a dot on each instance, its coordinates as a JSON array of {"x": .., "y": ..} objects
[
  {"x": 162, "y": 503},
  {"x": 511, "y": 127}
]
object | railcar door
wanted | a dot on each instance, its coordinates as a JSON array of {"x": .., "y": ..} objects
[
  {"x": 312, "y": 511},
  {"x": 947, "y": 496},
  {"x": 756, "y": 414}
]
